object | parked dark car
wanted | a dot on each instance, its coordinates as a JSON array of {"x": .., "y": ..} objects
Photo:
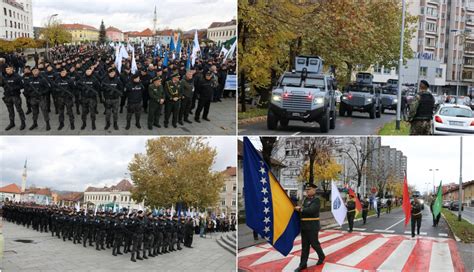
[{"x": 454, "y": 206}]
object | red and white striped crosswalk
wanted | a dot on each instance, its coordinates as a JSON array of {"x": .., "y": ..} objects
[{"x": 359, "y": 251}]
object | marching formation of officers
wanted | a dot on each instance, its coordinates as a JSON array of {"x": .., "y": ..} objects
[
  {"x": 85, "y": 76},
  {"x": 143, "y": 235}
]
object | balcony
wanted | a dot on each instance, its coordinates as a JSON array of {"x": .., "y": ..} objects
[{"x": 434, "y": 2}]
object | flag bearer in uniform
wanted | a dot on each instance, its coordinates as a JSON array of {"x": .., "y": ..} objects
[
  {"x": 351, "y": 208},
  {"x": 415, "y": 216},
  {"x": 310, "y": 226}
]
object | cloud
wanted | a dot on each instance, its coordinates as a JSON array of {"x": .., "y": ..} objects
[
  {"x": 74, "y": 163},
  {"x": 136, "y": 15}
]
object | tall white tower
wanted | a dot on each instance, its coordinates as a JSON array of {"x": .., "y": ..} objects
[{"x": 23, "y": 178}]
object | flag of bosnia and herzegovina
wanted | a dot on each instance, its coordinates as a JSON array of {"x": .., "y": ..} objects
[{"x": 268, "y": 209}]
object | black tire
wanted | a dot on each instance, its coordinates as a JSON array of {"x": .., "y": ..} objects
[
  {"x": 378, "y": 114},
  {"x": 272, "y": 121},
  {"x": 332, "y": 123},
  {"x": 383, "y": 110},
  {"x": 324, "y": 123},
  {"x": 372, "y": 112},
  {"x": 342, "y": 110},
  {"x": 284, "y": 123},
  {"x": 349, "y": 113}
]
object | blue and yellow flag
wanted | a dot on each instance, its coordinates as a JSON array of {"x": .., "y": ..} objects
[{"x": 268, "y": 209}]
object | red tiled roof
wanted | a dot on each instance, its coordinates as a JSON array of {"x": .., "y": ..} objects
[
  {"x": 79, "y": 27},
  {"x": 145, "y": 33},
  {"x": 222, "y": 24},
  {"x": 113, "y": 29},
  {"x": 38, "y": 191},
  {"x": 123, "y": 185},
  {"x": 11, "y": 188},
  {"x": 73, "y": 196},
  {"x": 165, "y": 32},
  {"x": 231, "y": 171}
]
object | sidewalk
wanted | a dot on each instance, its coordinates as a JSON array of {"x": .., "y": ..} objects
[{"x": 28, "y": 250}]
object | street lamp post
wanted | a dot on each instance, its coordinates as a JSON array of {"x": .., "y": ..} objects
[
  {"x": 400, "y": 66},
  {"x": 460, "y": 182},
  {"x": 47, "y": 39},
  {"x": 434, "y": 170}
]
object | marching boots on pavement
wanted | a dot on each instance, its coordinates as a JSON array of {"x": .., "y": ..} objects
[
  {"x": 310, "y": 226},
  {"x": 350, "y": 204},
  {"x": 12, "y": 86},
  {"x": 365, "y": 209}
]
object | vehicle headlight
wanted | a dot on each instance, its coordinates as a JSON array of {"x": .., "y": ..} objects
[
  {"x": 344, "y": 98},
  {"x": 395, "y": 100},
  {"x": 369, "y": 99},
  {"x": 318, "y": 100},
  {"x": 276, "y": 98},
  {"x": 422, "y": 201}
]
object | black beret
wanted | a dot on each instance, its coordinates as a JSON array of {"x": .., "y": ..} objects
[
  {"x": 425, "y": 83},
  {"x": 310, "y": 185}
]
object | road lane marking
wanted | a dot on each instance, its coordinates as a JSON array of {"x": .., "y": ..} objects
[
  {"x": 359, "y": 229},
  {"x": 296, "y": 134},
  {"x": 395, "y": 224},
  {"x": 335, "y": 247},
  {"x": 443, "y": 234},
  {"x": 439, "y": 255},
  {"x": 398, "y": 258},
  {"x": 381, "y": 230}
]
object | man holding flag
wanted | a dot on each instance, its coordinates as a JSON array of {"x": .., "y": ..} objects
[
  {"x": 310, "y": 226},
  {"x": 415, "y": 215},
  {"x": 436, "y": 205}
]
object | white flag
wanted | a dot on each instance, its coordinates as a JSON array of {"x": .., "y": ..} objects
[
  {"x": 123, "y": 53},
  {"x": 95, "y": 210},
  {"x": 130, "y": 47},
  {"x": 231, "y": 51},
  {"x": 338, "y": 208},
  {"x": 223, "y": 51},
  {"x": 196, "y": 48},
  {"x": 142, "y": 46},
  {"x": 134, "y": 63},
  {"x": 375, "y": 204}
]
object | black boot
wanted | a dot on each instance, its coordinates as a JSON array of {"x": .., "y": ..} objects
[
  {"x": 150, "y": 127},
  {"x": 181, "y": 123},
  {"x": 28, "y": 111},
  {"x": 107, "y": 125},
  {"x": 61, "y": 126},
  {"x": 129, "y": 120},
  {"x": 113, "y": 252},
  {"x": 197, "y": 120},
  {"x": 93, "y": 125},
  {"x": 48, "y": 127},
  {"x": 72, "y": 125},
  {"x": 157, "y": 125},
  {"x": 138, "y": 256},
  {"x": 35, "y": 125},
  {"x": 144, "y": 255},
  {"x": 23, "y": 125},
  {"x": 137, "y": 120},
  {"x": 116, "y": 127},
  {"x": 133, "y": 258},
  {"x": 10, "y": 126},
  {"x": 83, "y": 125},
  {"x": 187, "y": 121}
]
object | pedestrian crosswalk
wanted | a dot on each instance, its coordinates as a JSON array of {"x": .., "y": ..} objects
[{"x": 358, "y": 251}]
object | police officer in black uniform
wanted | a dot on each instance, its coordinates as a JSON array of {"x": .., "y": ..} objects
[
  {"x": 204, "y": 93},
  {"x": 35, "y": 90},
  {"x": 415, "y": 216},
  {"x": 134, "y": 92},
  {"x": 63, "y": 90},
  {"x": 112, "y": 89},
  {"x": 90, "y": 88},
  {"x": 365, "y": 209},
  {"x": 310, "y": 226},
  {"x": 13, "y": 84}
]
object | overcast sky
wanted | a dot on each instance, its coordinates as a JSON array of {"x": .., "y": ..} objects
[
  {"x": 429, "y": 152},
  {"x": 73, "y": 163},
  {"x": 136, "y": 15},
  {"x": 424, "y": 153}
]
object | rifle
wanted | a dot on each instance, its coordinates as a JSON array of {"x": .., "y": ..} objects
[
  {"x": 113, "y": 90},
  {"x": 64, "y": 90},
  {"x": 89, "y": 89},
  {"x": 35, "y": 90}
]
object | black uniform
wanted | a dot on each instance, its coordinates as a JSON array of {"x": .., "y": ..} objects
[
  {"x": 204, "y": 93},
  {"x": 112, "y": 90},
  {"x": 12, "y": 85},
  {"x": 134, "y": 93},
  {"x": 365, "y": 210},
  {"x": 36, "y": 89},
  {"x": 64, "y": 91},
  {"x": 351, "y": 206},
  {"x": 90, "y": 88},
  {"x": 188, "y": 233}
]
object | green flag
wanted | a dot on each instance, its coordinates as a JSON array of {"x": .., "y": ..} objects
[{"x": 438, "y": 201}]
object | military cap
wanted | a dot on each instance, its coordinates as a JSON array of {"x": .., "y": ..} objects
[
  {"x": 310, "y": 185},
  {"x": 175, "y": 75},
  {"x": 209, "y": 73},
  {"x": 135, "y": 75},
  {"x": 425, "y": 83},
  {"x": 110, "y": 70},
  {"x": 156, "y": 78}
]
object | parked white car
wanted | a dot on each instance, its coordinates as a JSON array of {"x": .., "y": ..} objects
[{"x": 453, "y": 119}]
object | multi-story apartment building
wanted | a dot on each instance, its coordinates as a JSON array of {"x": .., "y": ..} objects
[{"x": 16, "y": 19}]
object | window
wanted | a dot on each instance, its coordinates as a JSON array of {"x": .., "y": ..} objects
[
  {"x": 430, "y": 42},
  {"x": 223, "y": 202},
  {"x": 423, "y": 71},
  {"x": 387, "y": 70},
  {"x": 378, "y": 69},
  {"x": 431, "y": 27},
  {"x": 233, "y": 202},
  {"x": 439, "y": 72},
  {"x": 5, "y": 11},
  {"x": 10, "y": 12},
  {"x": 432, "y": 12}
]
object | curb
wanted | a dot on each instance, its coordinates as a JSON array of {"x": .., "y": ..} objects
[
  {"x": 252, "y": 120},
  {"x": 451, "y": 229}
]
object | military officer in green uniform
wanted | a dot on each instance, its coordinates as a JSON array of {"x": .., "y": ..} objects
[
  {"x": 351, "y": 207},
  {"x": 421, "y": 111},
  {"x": 172, "y": 94},
  {"x": 157, "y": 99},
  {"x": 310, "y": 226},
  {"x": 415, "y": 216},
  {"x": 365, "y": 209}
]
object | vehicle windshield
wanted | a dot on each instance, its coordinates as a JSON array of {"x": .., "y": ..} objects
[
  {"x": 389, "y": 91},
  {"x": 359, "y": 89},
  {"x": 291, "y": 81},
  {"x": 315, "y": 83},
  {"x": 456, "y": 112}
]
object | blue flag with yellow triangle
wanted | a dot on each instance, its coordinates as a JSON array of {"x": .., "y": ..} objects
[{"x": 268, "y": 209}]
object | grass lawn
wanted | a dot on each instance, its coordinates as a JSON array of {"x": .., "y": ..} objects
[
  {"x": 250, "y": 113},
  {"x": 462, "y": 229},
  {"x": 389, "y": 129}
]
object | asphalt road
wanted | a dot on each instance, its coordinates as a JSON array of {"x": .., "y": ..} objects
[
  {"x": 358, "y": 124},
  {"x": 467, "y": 214},
  {"x": 393, "y": 223}
]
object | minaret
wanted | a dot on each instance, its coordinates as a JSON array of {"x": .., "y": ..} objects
[
  {"x": 23, "y": 177},
  {"x": 155, "y": 22}
]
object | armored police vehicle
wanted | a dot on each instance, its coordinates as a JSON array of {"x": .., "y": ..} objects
[
  {"x": 389, "y": 95},
  {"x": 361, "y": 96},
  {"x": 305, "y": 94}
]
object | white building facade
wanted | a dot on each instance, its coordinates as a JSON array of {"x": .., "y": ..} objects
[
  {"x": 222, "y": 32},
  {"x": 119, "y": 194},
  {"x": 16, "y": 19}
]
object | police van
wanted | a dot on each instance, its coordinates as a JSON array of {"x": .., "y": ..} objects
[{"x": 304, "y": 94}]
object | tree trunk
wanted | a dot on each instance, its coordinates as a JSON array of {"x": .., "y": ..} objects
[
  {"x": 243, "y": 30},
  {"x": 311, "y": 170},
  {"x": 349, "y": 71}
]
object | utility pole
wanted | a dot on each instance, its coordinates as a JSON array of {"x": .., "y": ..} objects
[
  {"x": 460, "y": 182},
  {"x": 400, "y": 67}
]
